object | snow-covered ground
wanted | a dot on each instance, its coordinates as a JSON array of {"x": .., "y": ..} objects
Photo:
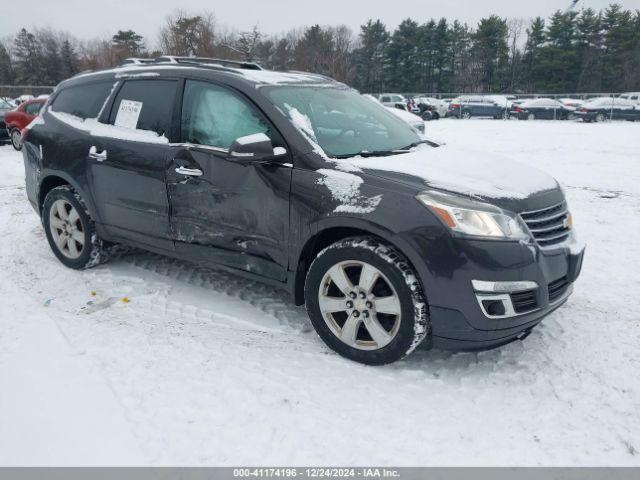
[{"x": 149, "y": 360}]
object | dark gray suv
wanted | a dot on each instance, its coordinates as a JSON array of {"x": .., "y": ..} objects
[{"x": 297, "y": 180}]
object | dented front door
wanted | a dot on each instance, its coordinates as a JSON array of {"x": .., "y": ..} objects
[{"x": 230, "y": 213}]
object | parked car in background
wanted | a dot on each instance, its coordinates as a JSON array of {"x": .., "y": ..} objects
[
  {"x": 631, "y": 96},
  {"x": 609, "y": 108},
  {"x": 5, "y": 107},
  {"x": 394, "y": 100},
  {"x": 542, "y": 108},
  {"x": 476, "y": 106},
  {"x": 437, "y": 107},
  {"x": 298, "y": 181},
  {"x": 411, "y": 118},
  {"x": 572, "y": 102},
  {"x": 19, "y": 118},
  {"x": 503, "y": 100}
]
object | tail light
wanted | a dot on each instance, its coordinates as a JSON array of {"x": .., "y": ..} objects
[
  {"x": 518, "y": 109},
  {"x": 584, "y": 110},
  {"x": 455, "y": 105}
]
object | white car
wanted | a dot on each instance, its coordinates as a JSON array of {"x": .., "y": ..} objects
[
  {"x": 631, "y": 96},
  {"x": 438, "y": 107},
  {"x": 414, "y": 120},
  {"x": 394, "y": 100},
  {"x": 411, "y": 118}
]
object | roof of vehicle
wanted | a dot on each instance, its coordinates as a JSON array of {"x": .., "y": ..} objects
[
  {"x": 250, "y": 72},
  {"x": 605, "y": 101}
]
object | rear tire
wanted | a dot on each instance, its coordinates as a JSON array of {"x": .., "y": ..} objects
[
  {"x": 16, "y": 139},
  {"x": 71, "y": 231},
  {"x": 600, "y": 118},
  {"x": 373, "y": 319},
  {"x": 466, "y": 115},
  {"x": 531, "y": 116}
]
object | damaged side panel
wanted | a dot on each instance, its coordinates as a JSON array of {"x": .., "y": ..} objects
[{"x": 235, "y": 213}]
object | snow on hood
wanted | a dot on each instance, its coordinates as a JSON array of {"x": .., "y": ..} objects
[{"x": 467, "y": 172}]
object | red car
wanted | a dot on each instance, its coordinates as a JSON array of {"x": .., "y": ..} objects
[{"x": 19, "y": 118}]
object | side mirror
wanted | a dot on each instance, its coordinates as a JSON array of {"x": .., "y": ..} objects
[{"x": 255, "y": 148}]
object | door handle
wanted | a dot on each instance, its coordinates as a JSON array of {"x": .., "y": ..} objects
[
  {"x": 96, "y": 155},
  {"x": 190, "y": 172}
]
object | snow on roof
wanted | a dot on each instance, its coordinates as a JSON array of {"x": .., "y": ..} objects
[{"x": 263, "y": 77}]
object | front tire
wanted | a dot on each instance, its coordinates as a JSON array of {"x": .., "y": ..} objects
[
  {"x": 16, "y": 139},
  {"x": 71, "y": 231},
  {"x": 366, "y": 302}
]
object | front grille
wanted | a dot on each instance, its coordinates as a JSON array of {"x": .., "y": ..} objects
[
  {"x": 524, "y": 301},
  {"x": 548, "y": 226},
  {"x": 557, "y": 288}
]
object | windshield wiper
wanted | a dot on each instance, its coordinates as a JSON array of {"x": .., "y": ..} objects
[
  {"x": 373, "y": 153},
  {"x": 420, "y": 142}
]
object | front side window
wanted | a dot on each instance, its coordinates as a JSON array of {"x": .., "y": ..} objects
[
  {"x": 215, "y": 116},
  {"x": 83, "y": 101},
  {"x": 341, "y": 121},
  {"x": 145, "y": 105}
]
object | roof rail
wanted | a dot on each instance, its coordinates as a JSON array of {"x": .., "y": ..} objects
[
  {"x": 207, "y": 60},
  {"x": 137, "y": 61}
]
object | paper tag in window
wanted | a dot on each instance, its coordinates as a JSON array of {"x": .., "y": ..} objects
[{"x": 128, "y": 114}]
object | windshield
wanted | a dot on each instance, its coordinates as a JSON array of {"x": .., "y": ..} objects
[{"x": 341, "y": 121}]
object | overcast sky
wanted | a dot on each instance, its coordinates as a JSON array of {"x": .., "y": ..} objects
[{"x": 90, "y": 18}]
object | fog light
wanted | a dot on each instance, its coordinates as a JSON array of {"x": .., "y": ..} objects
[{"x": 494, "y": 307}]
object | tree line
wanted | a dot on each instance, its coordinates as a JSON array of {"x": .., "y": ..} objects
[{"x": 572, "y": 51}]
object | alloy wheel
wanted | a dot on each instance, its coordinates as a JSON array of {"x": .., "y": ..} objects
[
  {"x": 16, "y": 139},
  {"x": 66, "y": 229},
  {"x": 359, "y": 305}
]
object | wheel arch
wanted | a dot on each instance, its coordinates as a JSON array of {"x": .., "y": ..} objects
[
  {"x": 51, "y": 179},
  {"x": 330, "y": 232}
]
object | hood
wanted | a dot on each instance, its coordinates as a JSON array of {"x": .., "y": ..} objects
[{"x": 466, "y": 172}]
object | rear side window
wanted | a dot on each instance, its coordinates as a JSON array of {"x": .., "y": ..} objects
[
  {"x": 145, "y": 105},
  {"x": 33, "y": 108},
  {"x": 84, "y": 101}
]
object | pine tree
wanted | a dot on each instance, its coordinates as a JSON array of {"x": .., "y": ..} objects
[
  {"x": 68, "y": 60},
  {"x": 127, "y": 43},
  {"x": 6, "y": 68},
  {"x": 490, "y": 51},
  {"x": 589, "y": 47},
  {"x": 402, "y": 69},
  {"x": 370, "y": 58},
  {"x": 29, "y": 64},
  {"x": 535, "y": 40}
]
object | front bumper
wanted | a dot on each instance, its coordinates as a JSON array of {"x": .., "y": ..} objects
[{"x": 450, "y": 265}]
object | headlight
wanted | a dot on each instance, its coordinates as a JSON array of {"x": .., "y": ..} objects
[{"x": 471, "y": 217}]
